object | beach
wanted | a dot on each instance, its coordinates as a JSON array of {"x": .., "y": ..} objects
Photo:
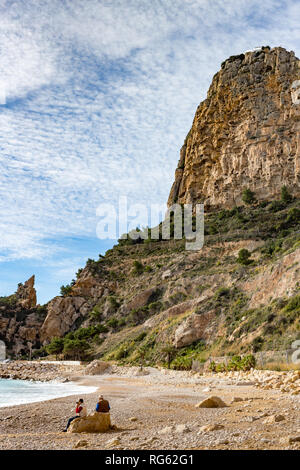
[{"x": 157, "y": 411}]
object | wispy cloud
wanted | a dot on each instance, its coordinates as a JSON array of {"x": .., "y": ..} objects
[{"x": 99, "y": 97}]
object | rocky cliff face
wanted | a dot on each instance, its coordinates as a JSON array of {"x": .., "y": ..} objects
[
  {"x": 21, "y": 320},
  {"x": 246, "y": 134}
]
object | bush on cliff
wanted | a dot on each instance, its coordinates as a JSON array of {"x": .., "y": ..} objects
[
  {"x": 248, "y": 197},
  {"x": 285, "y": 195},
  {"x": 244, "y": 257}
]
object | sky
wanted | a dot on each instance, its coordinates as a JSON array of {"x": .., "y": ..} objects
[{"x": 96, "y": 98}]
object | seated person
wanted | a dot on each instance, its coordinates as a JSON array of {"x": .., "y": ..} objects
[
  {"x": 102, "y": 405},
  {"x": 80, "y": 413}
]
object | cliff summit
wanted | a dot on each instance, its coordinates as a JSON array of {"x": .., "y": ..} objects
[{"x": 245, "y": 134}]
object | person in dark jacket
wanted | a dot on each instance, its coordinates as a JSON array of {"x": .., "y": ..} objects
[{"x": 102, "y": 405}]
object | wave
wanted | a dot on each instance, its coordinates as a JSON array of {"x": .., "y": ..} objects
[{"x": 18, "y": 392}]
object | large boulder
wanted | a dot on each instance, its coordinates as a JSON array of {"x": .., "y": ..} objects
[
  {"x": 62, "y": 315},
  {"x": 194, "y": 328},
  {"x": 96, "y": 422},
  {"x": 140, "y": 300},
  {"x": 211, "y": 402},
  {"x": 96, "y": 367}
]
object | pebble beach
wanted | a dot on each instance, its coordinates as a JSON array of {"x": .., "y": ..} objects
[{"x": 159, "y": 409}]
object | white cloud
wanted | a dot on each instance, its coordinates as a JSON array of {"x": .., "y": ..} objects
[{"x": 99, "y": 98}]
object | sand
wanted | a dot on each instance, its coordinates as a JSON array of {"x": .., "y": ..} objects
[{"x": 160, "y": 402}]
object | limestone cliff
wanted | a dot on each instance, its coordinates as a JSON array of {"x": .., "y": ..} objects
[
  {"x": 146, "y": 296},
  {"x": 246, "y": 134},
  {"x": 26, "y": 294}
]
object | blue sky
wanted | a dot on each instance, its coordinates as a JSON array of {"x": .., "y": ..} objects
[{"x": 97, "y": 98}]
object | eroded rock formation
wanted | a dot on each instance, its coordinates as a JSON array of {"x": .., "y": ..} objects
[
  {"x": 26, "y": 294},
  {"x": 21, "y": 320}
]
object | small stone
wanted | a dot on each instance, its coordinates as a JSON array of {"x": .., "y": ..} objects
[
  {"x": 182, "y": 428},
  {"x": 113, "y": 442},
  {"x": 81, "y": 443},
  {"x": 212, "y": 427},
  {"x": 274, "y": 419},
  {"x": 166, "y": 430},
  {"x": 133, "y": 419},
  {"x": 236, "y": 399},
  {"x": 223, "y": 441}
]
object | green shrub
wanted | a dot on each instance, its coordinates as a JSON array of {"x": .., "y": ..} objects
[
  {"x": 112, "y": 322},
  {"x": 285, "y": 196},
  {"x": 212, "y": 230},
  {"x": 56, "y": 346},
  {"x": 138, "y": 267},
  {"x": 248, "y": 197},
  {"x": 89, "y": 332},
  {"x": 140, "y": 337},
  {"x": 222, "y": 292},
  {"x": 220, "y": 367},
  {"x": 182, "y": 363},
  {"x": 293, "y": 304},
  {"x": 65, "y": 290},
  {"x": 75, "y": 348},
  {"x": 42, "y": 311},
  {"x": 244, "y": 257},
  {"x": 121, "y": 353},
  {"x": 121, "y": 322},
  {"x": 257, "y": 344},
  {"x": 276, "y": 206},
  {"x": 236, "y": 363},
  {"x": 293, "y": 216},
  {"x": 9, "y": 301},
  {"x": 114, "y": 304}
]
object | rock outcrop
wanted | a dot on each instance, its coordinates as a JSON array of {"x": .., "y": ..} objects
[
  {"x": 246, "y": 134},
  {"x": 97, "y": 367},
  {"x": 21, "y": 320},
  {"x": 62, "y": 315},
  {"x": 26, "y": 294},
  {"x": 194, "y": 328}
]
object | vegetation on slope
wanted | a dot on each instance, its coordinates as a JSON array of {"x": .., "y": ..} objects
[{"x": 114, "y": 332}]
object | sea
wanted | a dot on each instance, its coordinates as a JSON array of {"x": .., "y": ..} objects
[{"x": 18, "y": 392}]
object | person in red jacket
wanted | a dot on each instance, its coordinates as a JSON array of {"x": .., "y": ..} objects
[{"x": 80, "y": 413}]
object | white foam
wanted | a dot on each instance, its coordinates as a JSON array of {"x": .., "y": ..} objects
[{"x": 18, "y": 392}]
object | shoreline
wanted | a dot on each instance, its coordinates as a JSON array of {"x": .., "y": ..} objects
[
  {"x": 58, "y": 389},
  {"x": 155, "y": 409}
]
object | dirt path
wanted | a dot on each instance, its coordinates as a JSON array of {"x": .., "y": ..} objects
[{"x": 160, "y": 405}]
